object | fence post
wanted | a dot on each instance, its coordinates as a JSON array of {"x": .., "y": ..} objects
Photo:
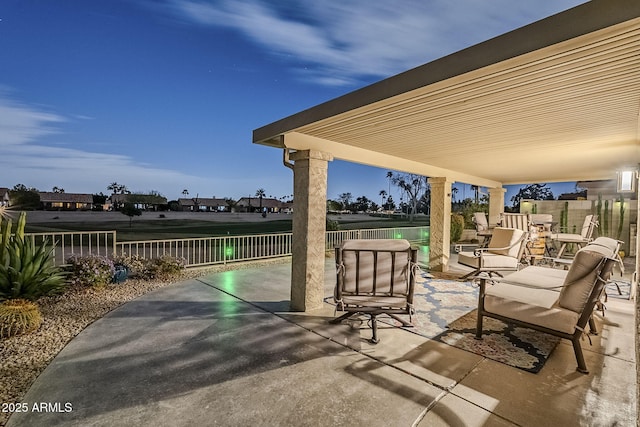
[{"x": 224, "y": 251}]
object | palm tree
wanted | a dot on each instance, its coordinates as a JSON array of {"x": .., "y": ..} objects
[
  {"x": 383, "y": 193},
  {"x": 185, "y": 192},
  {"x": 260, "y": 193},
  {"x": 454, "y": 192},
  {"x": 476, "y": 192}
]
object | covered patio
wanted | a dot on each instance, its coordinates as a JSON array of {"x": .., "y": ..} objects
[
  {"x": 225, "y": 349},
  {"x": 557, "y": 100}
]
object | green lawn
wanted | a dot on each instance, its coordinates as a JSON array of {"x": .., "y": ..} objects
[{"x": 178, "y": 228}]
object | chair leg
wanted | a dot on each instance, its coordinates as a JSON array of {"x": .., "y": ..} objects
[
  {"x": 404, "y": 322},
  {"x": 341, "y": 318},
  {"x": 577, "y": 349},
  {"x": 374, "y": 327},
  {"x": 483, "y": 284},
  {"x": 593, "y": 329},
  {"x": 473, "y": 273}
]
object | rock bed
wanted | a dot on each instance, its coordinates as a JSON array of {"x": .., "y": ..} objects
[{"x": 24, "y": 357}]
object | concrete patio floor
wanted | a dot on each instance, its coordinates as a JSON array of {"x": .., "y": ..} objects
[{"x": 225, "y": 350}]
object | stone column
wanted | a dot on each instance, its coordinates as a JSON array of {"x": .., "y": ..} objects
[
  {"x": 496, "y": 204},
  {"x": 309, "y": 228},
  {"x": 440, "y": 224}
]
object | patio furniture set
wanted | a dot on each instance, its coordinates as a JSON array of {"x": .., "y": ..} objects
[{"x": 378, "y": 276}]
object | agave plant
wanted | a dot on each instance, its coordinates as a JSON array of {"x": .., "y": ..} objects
[{"x": 27, "y": 272}]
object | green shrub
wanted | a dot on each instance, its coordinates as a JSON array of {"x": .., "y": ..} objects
[
  {"x": 134, "y": 263},
  {"x": 163, "y": 268},
  {"x": 457, "y": 226},
  {"x": 332, "y": 225},
  {"x": 90, "y": 270}
]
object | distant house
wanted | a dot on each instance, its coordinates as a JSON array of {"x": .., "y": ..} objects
[
  {"x": 201, "y": 204},
  {"x": 145, "y": 202},
  {"x": 65, "y": 201},
  {"x": 4, "y": 197},
  {"x": 252, "y": 204}
]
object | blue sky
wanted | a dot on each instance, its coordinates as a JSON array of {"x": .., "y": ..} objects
[{"x": 164, "y": 94}]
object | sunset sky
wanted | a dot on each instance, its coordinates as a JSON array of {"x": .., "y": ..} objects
[{"x": 163, "y": 95}]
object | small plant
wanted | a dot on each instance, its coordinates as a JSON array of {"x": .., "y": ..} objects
[
  {"x": 91, "y": 270},
  {"x": 332, "y": 225},
  {"x": 133, "y": 263},
  {"x": 457, "y": 226},
  {"x": 163, "y": 268},
  {"x": 18, "y": 316}
]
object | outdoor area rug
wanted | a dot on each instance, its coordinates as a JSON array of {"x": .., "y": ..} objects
[{"x": 446, "y": 312}]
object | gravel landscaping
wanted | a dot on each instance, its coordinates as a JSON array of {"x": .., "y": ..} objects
[{"x": 65, "y": 316}]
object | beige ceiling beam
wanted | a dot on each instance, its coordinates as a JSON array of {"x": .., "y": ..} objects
[{"x": 299, "y": 141}]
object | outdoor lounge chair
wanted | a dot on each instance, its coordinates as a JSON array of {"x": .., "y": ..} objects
[
  {"x": 515, "y": 220},
  {"x": 589, "y": 224},
  {"x": 553, "y": 301},
  {"x": 482, "y": 227},
  {"x": 502, "y": 254},
  {"x": 375, "y": 276}
]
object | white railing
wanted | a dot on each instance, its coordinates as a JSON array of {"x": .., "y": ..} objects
[
  {"x": 77, "y": 243},
  {"x": 210, "y": 250}
]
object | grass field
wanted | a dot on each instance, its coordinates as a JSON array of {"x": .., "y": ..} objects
[{"x": 185, "y": 227}]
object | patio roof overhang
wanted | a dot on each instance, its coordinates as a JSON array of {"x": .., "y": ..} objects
[{"x": 557, "y": 100}]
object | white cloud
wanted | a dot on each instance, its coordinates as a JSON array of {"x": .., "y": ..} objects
[
  {"x": 344, "y": 40},
  {"x": 25, "y": 159}
]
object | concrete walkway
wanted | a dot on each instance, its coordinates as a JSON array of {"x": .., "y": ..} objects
[{"x": 224, "y": 350}]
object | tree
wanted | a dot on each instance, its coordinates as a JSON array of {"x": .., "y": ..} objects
[
  {"x": 532, "y": 191},
  {"x": 345, "y": 199},
  {"x": 362, "y": 203},
  {"x": 58, "y": 190},
  {"x": 25, "y": 198},
  {"x": 260, "y": 194},
  {"x": 383, "y": 195},
  {"x": 454, "y": 192},
  {"x": 130, "y": 210},
  {"x": 414, "y": 186},
  {"x": 231, "y": 204},
  {"x": 118, "y": 188},
  {"x": 333, "y": 205},
  {"x": 185, "y": 192},
  {"x": 390, "y": 205}
]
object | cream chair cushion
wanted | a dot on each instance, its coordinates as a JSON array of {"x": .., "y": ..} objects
[{"x": 503, "y": 238}]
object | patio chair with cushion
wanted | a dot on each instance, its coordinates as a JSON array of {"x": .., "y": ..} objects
[
  {"x": 482, "y": 227},
  {"x": 375, "y": 276},
  {"x": 502, "y": 254},
  {"x": 552, "y": 301},
  {"x": 589, "y": 224}
]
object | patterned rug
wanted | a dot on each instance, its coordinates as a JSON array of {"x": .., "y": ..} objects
[{"x": 446, "y": 312}]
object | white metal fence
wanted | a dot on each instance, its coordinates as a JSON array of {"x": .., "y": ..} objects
[
  {"x": 210, "y": 250},
  {"x": 77, "y": 243}
]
